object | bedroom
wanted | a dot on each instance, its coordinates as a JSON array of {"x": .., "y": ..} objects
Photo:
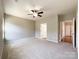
[{"x": 30, "y": 27}]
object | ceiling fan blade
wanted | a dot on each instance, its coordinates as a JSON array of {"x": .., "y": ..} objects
[
  {"x": 40, "y": 12},
  {"x": 36, "y": 10},
  {"x": 29, "y": 14},
  {"x": 32, "y": 10},
  {"x": 40, "y": 15}
]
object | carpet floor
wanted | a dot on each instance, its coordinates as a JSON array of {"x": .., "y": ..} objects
[{"x": 38, "y": 49}]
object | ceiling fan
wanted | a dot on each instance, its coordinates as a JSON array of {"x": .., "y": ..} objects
[{"x": 36, "y": 13}]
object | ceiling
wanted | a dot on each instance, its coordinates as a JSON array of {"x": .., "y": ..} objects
[{"x": 20, "y": 8}]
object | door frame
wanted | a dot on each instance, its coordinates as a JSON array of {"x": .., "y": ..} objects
[{"x": 73, "y": 34}]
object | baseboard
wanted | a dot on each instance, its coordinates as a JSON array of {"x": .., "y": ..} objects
[{"x": 53, "y": 41}]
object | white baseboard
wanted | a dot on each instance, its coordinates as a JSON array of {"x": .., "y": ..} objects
[{"x": 53, "y": 41}]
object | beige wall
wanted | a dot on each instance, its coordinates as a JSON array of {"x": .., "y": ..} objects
[
  {"x": 67, "y": 16},
  {"x": 52, "y": 27},
  {"x": 18, "y": 28},
  {"x": 1, "y": 21},
  {"x": 1, "y": 31}
]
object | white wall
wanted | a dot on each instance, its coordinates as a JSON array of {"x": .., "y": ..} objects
[
  {"x": 18, "y": 28},
  {"x": 52, "y": 27}
]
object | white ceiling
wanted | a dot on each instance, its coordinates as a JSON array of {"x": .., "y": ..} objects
[{"x": 21, "y": 7}]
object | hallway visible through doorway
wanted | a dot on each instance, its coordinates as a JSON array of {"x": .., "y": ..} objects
[{"x": 67, "y": 31}]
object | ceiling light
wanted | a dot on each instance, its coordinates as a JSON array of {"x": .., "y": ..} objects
[{"x": 35, "y": 14}]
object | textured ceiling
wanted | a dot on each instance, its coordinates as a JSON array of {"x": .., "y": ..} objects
[{"x": 20, "y": 8}]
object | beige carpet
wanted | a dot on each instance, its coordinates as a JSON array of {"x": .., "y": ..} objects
[{"x": 38, "y": 49}]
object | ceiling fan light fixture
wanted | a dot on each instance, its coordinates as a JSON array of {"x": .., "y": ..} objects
[{"x": 35, "y": 14}]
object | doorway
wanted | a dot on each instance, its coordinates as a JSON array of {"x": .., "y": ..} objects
[
  {"x": 67, "y": 32},
  {"x": 43, "y": 31}
]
